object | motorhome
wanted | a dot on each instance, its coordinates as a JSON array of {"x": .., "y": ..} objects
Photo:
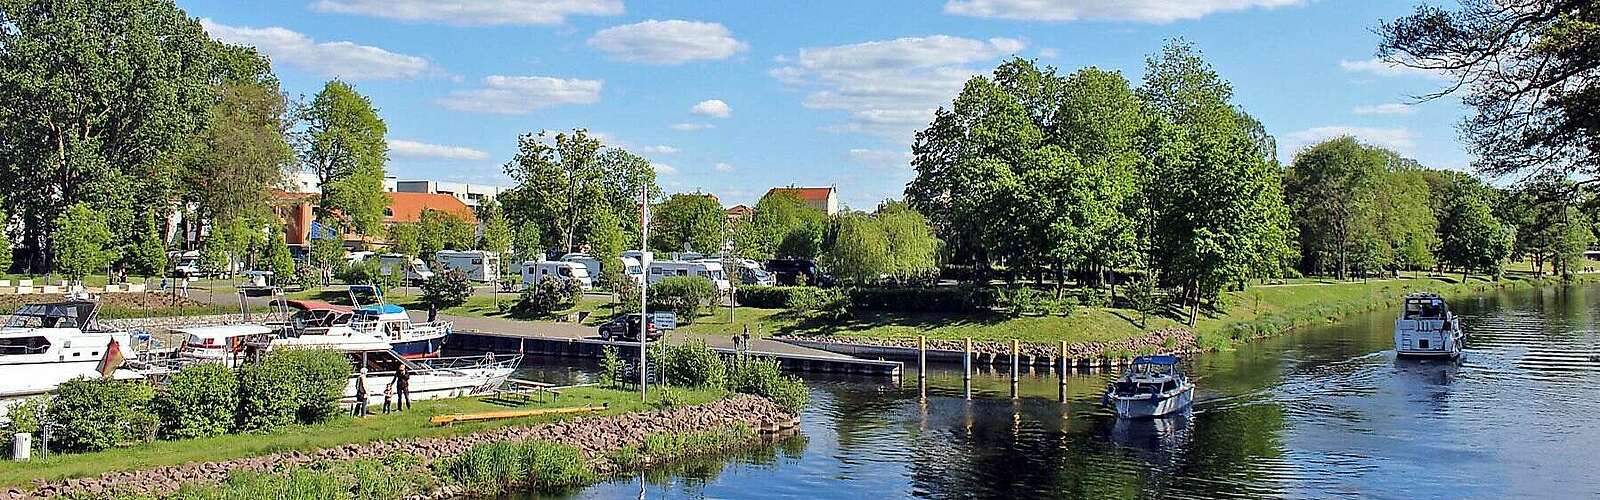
[
  {"x": 410, "y": 269},
  {"x": 478, "y": 264},
  {"x": 630, "y": 265},
  {"x": 534, "y": 272},
  {"x": 748, "y": 272},
  {"x": 664, "y": 269}
]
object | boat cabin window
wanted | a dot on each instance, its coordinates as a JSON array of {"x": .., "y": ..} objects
[
  {"x": 24, "y": 345},
  {"x": 1428, "y": 309}
]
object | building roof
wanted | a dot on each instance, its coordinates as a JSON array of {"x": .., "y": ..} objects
[
  {"x": 806, "y": 193},
  {"x": 408, "y": 207},
  {"x": 740, "y": 210}
]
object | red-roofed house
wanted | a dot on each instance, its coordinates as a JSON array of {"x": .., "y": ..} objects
[
  {"x": 737, "y": 212},
  {"x": 296, "y": 211},
  {"x": 825, "y": 199}
]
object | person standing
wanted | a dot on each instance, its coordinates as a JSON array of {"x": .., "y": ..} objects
[
  {"x": 402, "y": 385},
  {"x": 746, "y": 337},
  {"x": 361, "y": 393},
  {"x": 388, "y": 395},
  {"x": 433, "y": 311}
]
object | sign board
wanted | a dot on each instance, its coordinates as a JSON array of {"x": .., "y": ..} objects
[{"x": 664, "y": 320}]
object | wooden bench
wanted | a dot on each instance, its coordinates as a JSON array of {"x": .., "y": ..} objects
[{"x": 522, "y": 388}]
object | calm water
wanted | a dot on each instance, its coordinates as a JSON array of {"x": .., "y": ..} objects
[{"x": 1322, "y": 413}]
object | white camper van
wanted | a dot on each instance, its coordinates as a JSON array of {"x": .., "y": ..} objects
[
  {"x": 478, "y": 264},
  {"x": 630, "y": 265},
  {"x": 533, "y": 272},
  {"x": 410, "y": 269},
  {"x": 663, "y": 269}
]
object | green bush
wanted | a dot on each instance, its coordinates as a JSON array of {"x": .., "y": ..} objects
[
  {"x": 1093, "y": 297},
  {"x": 763, "y": 377},
  {"x": 944, "y": 299},
  {"x": 549, "y": 295},
  {"x": 97, "y": 414},
  {"x": 25, "y": 416},
  {"x": 489, "y": 469},
  {"x": 364, "y": 272},
  {"x": 294, "y": 385},
  {"x": 610, "y": 367},
  {"x": 774, "y": 297},
  {"x": 691, "y": 364},
  {"x": 198, "y": 401},
  {"x": 447, "y": 289},
  {"x": 685, "y": 296}
]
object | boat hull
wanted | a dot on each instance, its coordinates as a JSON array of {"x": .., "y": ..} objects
[
  {"x": 1148, "y": 406},
  {"x": 419, "y": 348}
]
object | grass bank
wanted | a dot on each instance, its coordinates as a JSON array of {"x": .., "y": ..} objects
[
  {"x": 1257, "y": 311},
  {"x": 410, "y": 424}
]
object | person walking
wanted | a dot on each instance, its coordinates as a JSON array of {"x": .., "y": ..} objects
[
  {"x": 361, "y": 394},
  {"x": 746, "y": 337},
  {"x": 402, "y": 385}
]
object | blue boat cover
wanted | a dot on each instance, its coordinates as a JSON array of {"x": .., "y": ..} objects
[
  {"x": 1155, "y": 360},
  {"x": 381, "y": 309}
]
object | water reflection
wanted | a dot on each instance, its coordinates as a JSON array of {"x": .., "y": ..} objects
[{"x": 1328, "y": 412}]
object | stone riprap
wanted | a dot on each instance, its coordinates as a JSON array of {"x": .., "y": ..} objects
[{"x": 595, "y": 436}]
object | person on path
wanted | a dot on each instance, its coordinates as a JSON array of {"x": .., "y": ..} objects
[
  {"x": 433, "y": 311},
  {"x": 361, "y": 393},
  {"x": 746, "y": 337},
  {"x": 388, "y": 395},
  {"x": 402, "y": 385},
  {"x": 736, "y": 347}
]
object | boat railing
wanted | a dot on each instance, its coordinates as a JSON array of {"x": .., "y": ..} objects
[{"x": 486, "y": 361}]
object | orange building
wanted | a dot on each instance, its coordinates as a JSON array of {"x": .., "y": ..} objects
[
  {"x": 825, "y": 199},
  {"x": 296, "y": 211}
]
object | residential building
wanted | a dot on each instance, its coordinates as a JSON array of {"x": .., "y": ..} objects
[
  {"x": 739, "y": 212},
  {"x": 825, "y": 199},
  {"x": 473, "y": 195},
  {"x": 296, "y": 212}
]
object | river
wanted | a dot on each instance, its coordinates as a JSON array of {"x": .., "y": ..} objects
[{"x": 1324, "y": 412}]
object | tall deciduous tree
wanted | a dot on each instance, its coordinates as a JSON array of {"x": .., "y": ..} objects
[
  {"x": 343, "y": 144},
  {"x": 244, "y": 153},
  {"x": 913, "y": 249},
  {"x": 278, "y": 259},
  {"x": 404, "y": 239},
  {"x": 775, "y": 216},
  {"x": 1471, "y": 237},
  {"x": 562, "y": 182},
  {"x": 439, "y": 230},
  {"x": 496, "y": 230},
  {"x": 84, "y": 244},
  {"x": 688, "y": 222},
  {"x": 856, "y": 249},
  {"x": 148, "y": 255},
  {"x": 98, "y": 98}
]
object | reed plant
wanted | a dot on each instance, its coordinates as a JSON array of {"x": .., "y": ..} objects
[{"x": 492, "y": 468}]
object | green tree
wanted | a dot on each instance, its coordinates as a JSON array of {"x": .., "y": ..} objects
[
  {"x": 244, "y": 153},
  {"x": 560, "y": 186},
  {"x": 83, "y": 243},
  {"x": 856, "y": 249},
  {"x": 148, "y": 255},
  {"x": 98, "y": 102},
  {"x": 5, "y": 242},
  {"x": 405, "y": 238},
  {"x": 327, "y": 254},
  {"x": 496, "y": 231},
  {"x": 688, "y": 222},
  {"x": 343, "y": 144},
  {"x": 278, "y": 259},
  {"x": 913, "y": 250},
  {"x": 439, "y": 230},
  {"x": 1335, "y": 186},
  {"x": 774, "y": 217},
  {"x": 527, "y": 243},
  {"x": 606, "y": 239},
  {"x": 1471, "y": 237}
]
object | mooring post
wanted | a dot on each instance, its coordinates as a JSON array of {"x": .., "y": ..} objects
[
  {"x": 966, "y": 367},
  {"x": 1064, "y": 367},
  {"x": 922, "y": 366},
  {"x": 1016, "y": 360}
]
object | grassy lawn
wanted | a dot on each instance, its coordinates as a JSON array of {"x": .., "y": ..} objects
[
  {"x": 1279, "y": 307},
  {"x": 411, "y": 424}
]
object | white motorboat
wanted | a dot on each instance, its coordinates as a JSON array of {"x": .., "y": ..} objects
[
  {"x": 43, "y": 345},
  {"x": 433, "y": 378},
  {"x": 226, "y": 344},
  {"x": 1427, "y": 328},
  {"x": 412, "y": 340},
  {"x": 1152, "y": 386}
]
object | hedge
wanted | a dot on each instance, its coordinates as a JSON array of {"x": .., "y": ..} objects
[
  {"x": 198, "y": 401},
  {"x": 944, "y": 299},
  {"x": 294, "y": 385},
  {"x": 98, "y": 414},
  {"x": 779, "y": 297},
  {"x": 684, "y": 295}
]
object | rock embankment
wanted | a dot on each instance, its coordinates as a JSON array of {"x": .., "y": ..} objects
[
  {"x": 1166, "y": 340},
  {"x": 596, "y": 436}
]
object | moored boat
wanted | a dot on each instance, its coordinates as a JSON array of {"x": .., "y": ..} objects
[
  {"x": 1427, "y": 328},
  {"x": 410, "y": 339},
  {"x": 1151, "y": 387},
  {"x": 44, "y": 345},
  {"x": 433, "y": 378}
]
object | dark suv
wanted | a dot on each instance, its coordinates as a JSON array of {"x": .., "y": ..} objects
[
  {"x": 626, "y": 328},
  {"x": 788, "y": 272}
]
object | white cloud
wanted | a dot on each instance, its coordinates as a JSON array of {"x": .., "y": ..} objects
[
  {"x": 881, "y": 158},
  {"x": 659, "y": 150},
  {"x": 345, "y": 60},
  {"x": 664, "y": 169},
  {"x": 1397, "y": 139},
  {"x": 712, "y": 107},
  {"x": 403, "y": 147},
  {"x": 1380, "y": 67},
  {"x": 891, "y": 87},
  {"x": 1383, "y": 109},
  {"x": 1149, "y": 11},
  {"x": 723, "y": 167},
  {"x": 667, "y": 42},
  {"x": 474, "y": 12},
  {"x": 1049, "y": 53},
  {"x": 690, "y": 127},
  {"x": 517, "y": 95}
]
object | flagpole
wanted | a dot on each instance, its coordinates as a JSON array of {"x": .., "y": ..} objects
[{"x": 644, "y": 285}]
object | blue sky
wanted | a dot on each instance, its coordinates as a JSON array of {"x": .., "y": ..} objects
[{"x": 734, "y": 97}]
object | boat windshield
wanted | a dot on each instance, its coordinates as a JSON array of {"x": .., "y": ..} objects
[
  {"x": 1424, "y": 309},
  {"x": 61, "y": 315}
]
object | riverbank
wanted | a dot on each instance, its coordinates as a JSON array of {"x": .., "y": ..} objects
[
  {"x": 412, "y": 424},
  {"x": 1256, "y": 312},
  {"x": 606, "y": 444}
]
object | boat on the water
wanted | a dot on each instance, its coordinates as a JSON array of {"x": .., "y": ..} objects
[
  {"x": 1427, "y": 328},
  {"x": 411, "y": 340},
  {"x": 43, "y": 345},
  {"x": 1151, "y": 387}
]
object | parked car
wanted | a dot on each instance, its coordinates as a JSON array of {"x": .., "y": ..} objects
[{"x": 626, "y": 328}]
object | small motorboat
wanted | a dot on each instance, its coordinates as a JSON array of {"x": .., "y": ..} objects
[
  {"x": 1427, "y": 328},
  {"x": 1152, "y": 386}
]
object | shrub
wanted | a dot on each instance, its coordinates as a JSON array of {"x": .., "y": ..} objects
[
  {"x": 447, "y": 289},
  {"x": 1023, "y": 301},
  {"x": 488, "y": 469},
  {"x": 364, "y": 272},
  {"x": 323, "y": 374},
  {"x": 98, "y": 414},
  {"x": 763, "y": 377},
  {"x": 1093, "y": 297},
  {"x": 307, "y": 276},
  {"x": 295, "y": 385},
  {"x": 666, "y": 399},
  {"x": 691, "y": 364},
  {"x": 776, "y": 297},
  {"x": 198, "y": 401},
  {"x": 684, "y": 295},
  {"x": 944, "y": 299},
  {"x": 549, "y": 295},
  {"x": 26, "y": 416}
]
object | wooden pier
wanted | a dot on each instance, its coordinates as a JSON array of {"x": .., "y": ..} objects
[{"x": 793, "y": 359}]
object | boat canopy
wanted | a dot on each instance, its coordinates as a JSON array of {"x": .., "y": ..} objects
[
  {"x": 1156, "y": 360},
  {"x": 223, "y": 331},
  {"x": 317, "y": 305},
  {"x": 380, "y": 309}
]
